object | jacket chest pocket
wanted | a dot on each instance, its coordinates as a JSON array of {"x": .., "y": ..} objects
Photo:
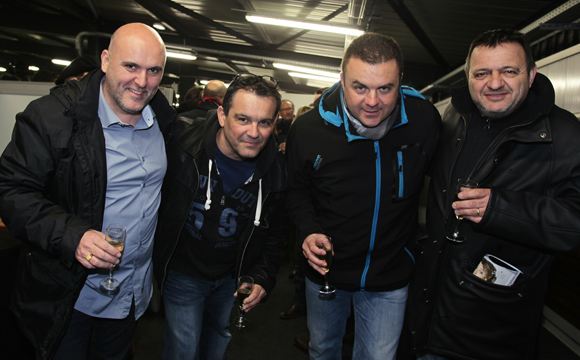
[{"x": 409, "y": 166}]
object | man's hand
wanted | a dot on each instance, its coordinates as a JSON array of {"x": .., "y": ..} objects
[
  {"x": 315, "y": 244},
  {"x": 255, "y": 297},
  {"x": 473, "y": 203},
  {"x": 282, "y": 146},
  {"x": 94, "y": 251}
]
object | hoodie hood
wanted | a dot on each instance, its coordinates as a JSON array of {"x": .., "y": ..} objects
[{"x": 338, "y": 116}]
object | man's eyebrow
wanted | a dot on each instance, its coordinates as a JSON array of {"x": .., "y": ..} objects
[{"x": 356, "y": 82}]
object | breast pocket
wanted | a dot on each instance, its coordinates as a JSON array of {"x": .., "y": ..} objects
[{"x": 409, "y": 166}]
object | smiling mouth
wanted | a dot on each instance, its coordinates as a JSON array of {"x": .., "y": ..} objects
[{"x": 136, "y": 92}]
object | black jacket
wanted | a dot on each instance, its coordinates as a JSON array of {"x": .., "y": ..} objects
[
  {"x": 533, "y": 171},
  {"x": 201, "y": 110},
  {"x": 53, "y": 179},
  {"x": 260, "y": 246},
  {"x": 362, "y": 193}
]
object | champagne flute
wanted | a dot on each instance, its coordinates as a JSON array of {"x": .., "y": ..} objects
[
  {"x": 327, "y": 291},
  {"x": 115, "y": 236},
  {"x": 245, "y": 287},
  {"x": 454, "y": 234}
]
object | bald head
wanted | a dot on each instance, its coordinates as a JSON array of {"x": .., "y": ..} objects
[
  {"x": 133, "y": 65},
  {"x": 215, "y": 89},
  {"x": 140, "y": 37}
]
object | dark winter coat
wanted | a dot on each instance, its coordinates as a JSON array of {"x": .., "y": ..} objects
[
  {"x": 53, "y": 179},
  {"x": 533, "y": 171},
  {"x": 362, "y": 193}
]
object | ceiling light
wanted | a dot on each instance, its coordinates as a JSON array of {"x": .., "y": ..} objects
[
  {"x": 33, "y": 68},
  {"x": 305, "y": 25},
  {"x": 60, "y": 62},
  {"x": 2, "y": 69},
  {"x": 308, "y": 71},
  {"x": 181, "y": 55},
  {"x": 313, "y": 77},
  {"x": 159, "y": 26}
]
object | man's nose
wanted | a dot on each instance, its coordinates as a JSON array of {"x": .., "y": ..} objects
[
  {"x": 253, "y": 131},
  {"x": 495, "y": 81},
  {"x": 372, "y": 99},
  {"x": 141, "y": 79}
]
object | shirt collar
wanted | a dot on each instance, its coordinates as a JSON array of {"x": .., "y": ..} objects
[{"x": 108, "y": 117}]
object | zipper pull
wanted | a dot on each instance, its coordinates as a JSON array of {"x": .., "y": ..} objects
[{"x": 223, "y": 200}]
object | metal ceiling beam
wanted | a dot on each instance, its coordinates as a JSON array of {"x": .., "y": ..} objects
[
  {"x": 210, "y": 22},
  {"x": 241, "y": 52},
  {"x": 419, "y": 33},
  {"x": 166, "y": 15},
  {"x": 39, "y": 50},
  {"x": 41, "y": 22},
  {"x": 258, "y": 28},
  {"x": 326, "y": 18}
]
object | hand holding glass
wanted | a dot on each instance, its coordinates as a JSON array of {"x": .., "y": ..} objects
[
  {"x": 115, "y": 236},
  {"x": 327, "y": 290},
  {"x": 454, "y": 234},
  {"x": 245, "y": 288}
]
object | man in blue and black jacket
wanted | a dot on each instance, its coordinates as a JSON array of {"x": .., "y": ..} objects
[{"x": 356, "y": 165}]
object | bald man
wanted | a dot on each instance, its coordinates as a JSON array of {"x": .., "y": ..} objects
[
  {"x": 213, "y": 96},
  {"x": 88, "y": 155}
]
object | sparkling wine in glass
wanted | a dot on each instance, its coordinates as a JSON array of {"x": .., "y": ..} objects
[
  {"x": 327, "y": 291},
  {"x": 115, "y": 236},
  {"x": 454, "y": 234},
  {"x": 245, "y": 287}
]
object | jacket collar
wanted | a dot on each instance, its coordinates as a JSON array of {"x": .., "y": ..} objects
[{"x": 331, "y": 109}]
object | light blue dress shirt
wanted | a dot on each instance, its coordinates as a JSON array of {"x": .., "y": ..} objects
[{"x": 136, "y": 165}]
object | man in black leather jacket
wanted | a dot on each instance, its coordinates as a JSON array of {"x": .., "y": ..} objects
[
  {"x": 503, "y": 132},
  {"x": 77, "y": 159},
  {"x": 208, "y": 236}
]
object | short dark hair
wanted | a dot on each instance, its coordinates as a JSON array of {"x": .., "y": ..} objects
[
  {"x": 373, "y": 48},
  {"x": 493, "y": 38},
  {"x": 258, "y": 88}
]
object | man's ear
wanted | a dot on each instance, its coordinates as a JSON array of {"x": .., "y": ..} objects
[
  {"x": 105, "y": 59},
  {"x": 221, "y": 116},
  {"x": 533, "y": 73}
]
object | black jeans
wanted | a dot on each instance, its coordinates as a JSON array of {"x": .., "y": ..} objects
[{"x": 94, "y": 338}]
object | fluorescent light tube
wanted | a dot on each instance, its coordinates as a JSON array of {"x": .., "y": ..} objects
[{"x": 304, "y": 25}]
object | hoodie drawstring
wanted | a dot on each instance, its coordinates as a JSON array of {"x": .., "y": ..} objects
[
  {"x": 208, "y": 196},
  {"x": 208, "y": 193},
  {"x": 259, "y": 205}
]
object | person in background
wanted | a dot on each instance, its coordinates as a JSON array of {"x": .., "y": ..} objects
[
  {"x": 318, "y": 93},
  {"x": 360, "y": 187},
  {"x": 285, "y": 118},
  {"x": 78, "y": 68},
  {"x": 503, "y": 132},
  {"x": 222, "y": 216},
  {"x": 213, "y": 96},
  {"x": 89, "y": 154},
  {"x": 191, "y": 99},
  {"x": 302, "y": 110}
]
